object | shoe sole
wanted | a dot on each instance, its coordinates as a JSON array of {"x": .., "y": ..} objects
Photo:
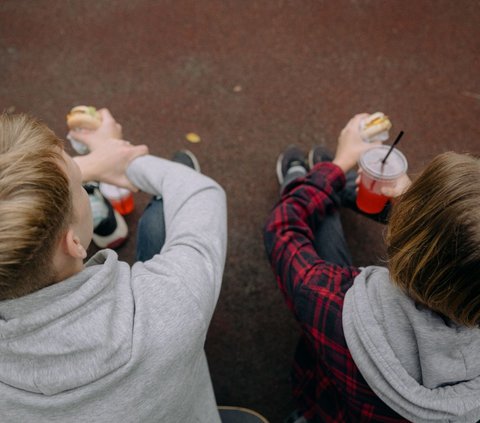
[
  {"x": 279, "y": 169},
  {"x": 311, "y": 155},
  {"x": 310, "y": 159},
  {"x": 240, "y": 414},
  {"x": 196, "y": 164},
  {"x": 115, "y": 239}
]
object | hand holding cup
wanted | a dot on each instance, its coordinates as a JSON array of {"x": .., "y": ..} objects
[
  {"x": 383, "y": 172},
  {"x": 401, "y": 185}
]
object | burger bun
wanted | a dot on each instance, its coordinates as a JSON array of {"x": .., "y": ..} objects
[
  {"x": 84, "y": 117},
  {"x": 375, "y": 124}
]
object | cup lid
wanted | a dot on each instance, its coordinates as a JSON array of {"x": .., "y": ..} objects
[{"x": 371, "y": 162}]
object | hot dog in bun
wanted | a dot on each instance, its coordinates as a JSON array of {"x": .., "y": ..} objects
[
  {"x": 84, "y": 117},
  {"x": 375, "y": 127}
]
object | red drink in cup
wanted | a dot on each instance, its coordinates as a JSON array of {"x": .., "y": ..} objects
[
  {"x": 376, "y": 175},
  {"x": 120, "y": 198},
  {"x": 370, "y": 202}
]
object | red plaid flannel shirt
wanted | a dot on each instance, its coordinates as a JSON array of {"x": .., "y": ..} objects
[{"x": 326, "y": 382}]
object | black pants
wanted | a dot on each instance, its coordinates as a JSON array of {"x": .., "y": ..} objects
[{"x": 330, "y": 242}]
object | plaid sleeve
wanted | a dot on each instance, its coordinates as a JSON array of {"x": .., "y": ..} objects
[{"x": 289, "y": 238}]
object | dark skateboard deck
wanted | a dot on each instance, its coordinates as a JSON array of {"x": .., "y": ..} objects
[{"x": 230, "y": 414}]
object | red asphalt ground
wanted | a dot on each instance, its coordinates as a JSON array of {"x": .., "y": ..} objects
[{"x": 250, "y": 77}]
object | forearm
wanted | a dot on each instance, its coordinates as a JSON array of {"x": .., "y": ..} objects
[
  {"x": 344, "y": 163},
  {"x": 109, "y": 162},
  {"x": 195, "y": 215},
  {"x": 87, "y": 168},
  {"x": 194, "y": 204}
]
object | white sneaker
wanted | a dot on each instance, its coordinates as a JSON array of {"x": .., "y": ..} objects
[{"x": 109, "y": 227}]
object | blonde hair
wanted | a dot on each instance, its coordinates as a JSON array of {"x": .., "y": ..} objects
[
  {"x": 35, "y": 204},
  {"x": 433, "y": 239}
]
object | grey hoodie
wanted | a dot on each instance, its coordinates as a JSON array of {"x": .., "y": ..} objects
[
  {"x": 121, "y": 344},
  {"x": 425, "y": 368}
]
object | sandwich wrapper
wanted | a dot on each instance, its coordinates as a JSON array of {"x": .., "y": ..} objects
[
  {"x": 78, "y": 146},
  {"x": 381, "y": 136}
]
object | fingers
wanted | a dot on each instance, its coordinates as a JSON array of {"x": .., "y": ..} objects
[
  {"x": 106, "y": 115},
  {"x": 388, "y": 192},
  {"x": 354, "y": 123},
  {"x": 141, "y": 150},
  {"x": 130, "y": 153},
  {"x": 355, "y": 120},
  {"x": 108, "y": 120},
  {"x": 358, "y": 117},
  {"x": 137, "y": 151},
  {"x": 401, "y": 185},
  {"x": 109, "y": 124},
  {"x": 357, "y": 179}
]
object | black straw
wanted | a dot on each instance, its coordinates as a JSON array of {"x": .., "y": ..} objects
[{"x": 391, "y": 147}]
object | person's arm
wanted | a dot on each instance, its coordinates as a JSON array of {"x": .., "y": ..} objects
[
  {"x": 289, "y": 238},
  {"x": 349, "y": 149},
  {"x": 350, "y": 145},
  {"x": 195, "y": 211},
  {"x": 289, "y": 233},
  {"x": 109, "y": 162},
  {"x": 109, "y": 128},
  {"x": 109, "y": 155},
  {"x": 401, "y": 185}
]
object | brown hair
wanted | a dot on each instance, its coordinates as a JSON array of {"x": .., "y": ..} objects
[
  {"x": 433, "y": 238},
  {"x": 35, "y": 204}
]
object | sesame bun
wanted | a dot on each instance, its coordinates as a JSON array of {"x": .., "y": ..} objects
[
  {"x": 84, "y": 117},
  {"x": 375, "y": 124}
]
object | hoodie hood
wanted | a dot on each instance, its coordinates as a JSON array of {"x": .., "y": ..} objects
[
  {"x": 47, "y": 341},
  {"x": 425, "y": 368}
]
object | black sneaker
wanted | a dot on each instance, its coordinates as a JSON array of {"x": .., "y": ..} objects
[
  {"x": 291, "y": 157},
  {"x": 109, "y": 227},
  {"x": 187, "y": 158},
  {"x": 295, "y": 417},
  {"x": 318, "y": 154}
]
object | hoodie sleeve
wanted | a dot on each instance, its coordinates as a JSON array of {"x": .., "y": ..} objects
[{"x": 195, "y": 220}]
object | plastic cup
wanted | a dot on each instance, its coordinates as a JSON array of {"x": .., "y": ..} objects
[
  {"x": 78, "y": 146},
  {"x": 376, "y": 175},
  {"x": 121, "y": 199}
]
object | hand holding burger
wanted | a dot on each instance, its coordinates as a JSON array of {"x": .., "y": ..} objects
[
  {"x": 350, "y": 145},
  {"x": 90, "y": 127},
  {"x": 101, "y": 136}
]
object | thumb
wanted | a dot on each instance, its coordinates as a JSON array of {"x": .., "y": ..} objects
[
  {"x": 106, "y": 115},
  {"x": 388, "y": 191},
  {"x": 137, "y": 151}
]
